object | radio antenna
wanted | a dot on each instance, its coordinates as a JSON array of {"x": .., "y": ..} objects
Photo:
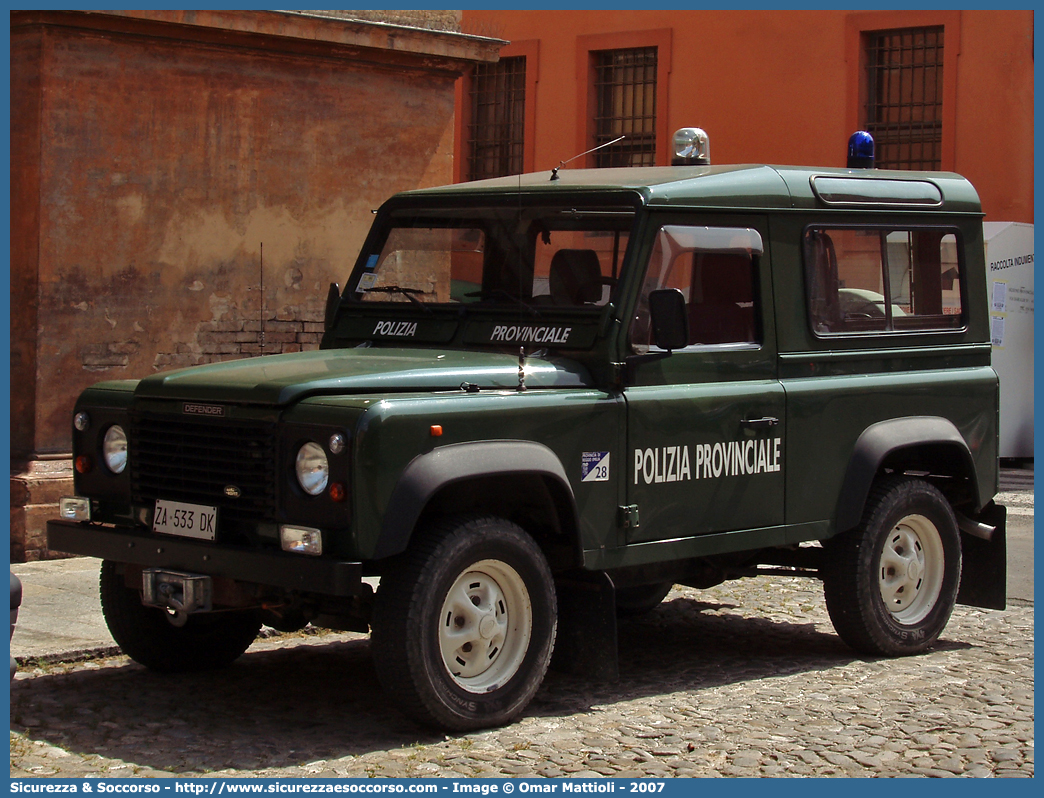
[{"x": 554, "y": 172}]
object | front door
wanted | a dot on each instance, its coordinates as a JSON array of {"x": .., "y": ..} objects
[{"x": 705, "y": 423}]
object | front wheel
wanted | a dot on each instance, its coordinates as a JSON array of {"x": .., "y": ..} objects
[
  {"x": 464, "y": 624},
  {"x": 891, "y": 583},
  {"x": 207, "y": 640}
]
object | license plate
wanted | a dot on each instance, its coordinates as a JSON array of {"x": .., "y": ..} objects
[{"x": 187, "y": 520}]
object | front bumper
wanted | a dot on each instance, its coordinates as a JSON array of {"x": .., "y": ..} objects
[{"x": 274, "y": 568}]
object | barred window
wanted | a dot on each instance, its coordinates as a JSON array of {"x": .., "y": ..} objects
[
  {"x": 625, "y": 86},
  {"x": 904, "y": 97},
  {"x": 495, "y": 131}
]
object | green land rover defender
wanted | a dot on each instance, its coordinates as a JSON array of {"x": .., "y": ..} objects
[{"x": 543, "y": 400}]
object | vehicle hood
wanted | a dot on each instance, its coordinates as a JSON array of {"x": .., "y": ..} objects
[{"x": 284, "y": 379}]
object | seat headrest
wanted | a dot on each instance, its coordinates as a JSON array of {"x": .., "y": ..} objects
[{"x": 576, "y": 277}]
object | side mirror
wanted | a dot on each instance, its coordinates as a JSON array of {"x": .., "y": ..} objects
[
  {"x": 333, "y": 301},
  {"x": 670, "y": 321}
]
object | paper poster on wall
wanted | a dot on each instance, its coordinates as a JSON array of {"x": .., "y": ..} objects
[
  {"x": 1000, "y": 297},
  {"x": 997, "y": 331}
]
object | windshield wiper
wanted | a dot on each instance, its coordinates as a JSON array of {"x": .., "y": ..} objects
[{"x": 398, "y": 289}]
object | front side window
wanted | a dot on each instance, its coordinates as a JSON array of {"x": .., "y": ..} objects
[
  {"x": 533, "y": 257},
  {"x": 714, "y": 268},
  {"x": 882, "y": 280}
]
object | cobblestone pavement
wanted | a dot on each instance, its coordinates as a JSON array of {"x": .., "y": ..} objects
[{"x": 746, "y": 679}]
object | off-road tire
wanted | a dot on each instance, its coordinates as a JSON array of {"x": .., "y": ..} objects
[
  {"x": 207, "y": 640},
  {"x": 907, "y": 547},
  {"x": 424, "y": 609}
]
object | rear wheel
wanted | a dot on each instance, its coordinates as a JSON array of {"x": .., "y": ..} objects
[
  {"x": 464, "y": 625},
  {"x": 146, "y": 635},
  {"x": 891, "y": 583}
]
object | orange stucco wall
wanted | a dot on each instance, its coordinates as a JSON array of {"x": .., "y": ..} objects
[
  {"x": 994, "y": 137},
  {"x": 782, "y": 86}
]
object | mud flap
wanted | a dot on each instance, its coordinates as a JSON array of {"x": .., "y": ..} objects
[
  {"x": 984, "y": 563},
  {"x": 586, "y": 644}
]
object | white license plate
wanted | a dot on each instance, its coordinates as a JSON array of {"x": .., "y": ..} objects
[{"x": 186, "y": 520}]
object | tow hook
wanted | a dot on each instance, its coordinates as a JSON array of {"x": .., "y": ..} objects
[
  {"x": 178, "y": 594},
  {"x": 175, "y": 607}
]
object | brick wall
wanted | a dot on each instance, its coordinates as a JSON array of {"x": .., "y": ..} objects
[
  {"x": 231, "y": 339},
  {"x": 162, "y": 159}
]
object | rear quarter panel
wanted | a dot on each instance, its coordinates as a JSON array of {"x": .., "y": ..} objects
[
  {"x": 838, "y": 386},
  {"x": 826, "y": 416}
]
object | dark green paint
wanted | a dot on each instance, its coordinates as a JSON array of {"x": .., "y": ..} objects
[{"x": 390, "y": 372}]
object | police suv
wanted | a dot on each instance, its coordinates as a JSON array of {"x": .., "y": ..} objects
[{"x": 543, "y": 400}]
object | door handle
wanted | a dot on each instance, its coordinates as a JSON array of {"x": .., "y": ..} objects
[{"x": 759, "y": 423}]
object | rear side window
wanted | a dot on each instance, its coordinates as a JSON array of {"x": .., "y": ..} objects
[{"x": 874, "y": 279}]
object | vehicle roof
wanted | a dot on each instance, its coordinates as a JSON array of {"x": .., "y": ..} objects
[{"x": 727, "y": 186}]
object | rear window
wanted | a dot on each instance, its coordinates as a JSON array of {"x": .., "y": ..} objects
[{"x": 875, "y": 279}]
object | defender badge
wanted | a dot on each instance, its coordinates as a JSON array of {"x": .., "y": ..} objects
[
  {"x": 194, "y": 409},
  {"x": 233, "y": 492}
]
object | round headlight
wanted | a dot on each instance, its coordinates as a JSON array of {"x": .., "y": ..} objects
[
  {"x": 114, "y": 449},
  {"x": 313, "y": 469}
]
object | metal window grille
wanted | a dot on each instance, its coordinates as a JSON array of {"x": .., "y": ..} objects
[
  {"x": 904, "y": 97},
  {"x": 495, "y": 132},
  {"x": 625, "y": 86}
]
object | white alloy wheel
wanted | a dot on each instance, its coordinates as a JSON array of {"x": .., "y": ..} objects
[
  {"x": 485, "y": 626},
  {"x": 911, "y": 569}
]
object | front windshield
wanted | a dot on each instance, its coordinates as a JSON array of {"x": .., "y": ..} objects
[{"x": 546, "y": 256}]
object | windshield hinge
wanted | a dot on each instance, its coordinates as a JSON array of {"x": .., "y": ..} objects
[{"x": 521, "y": 368}]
